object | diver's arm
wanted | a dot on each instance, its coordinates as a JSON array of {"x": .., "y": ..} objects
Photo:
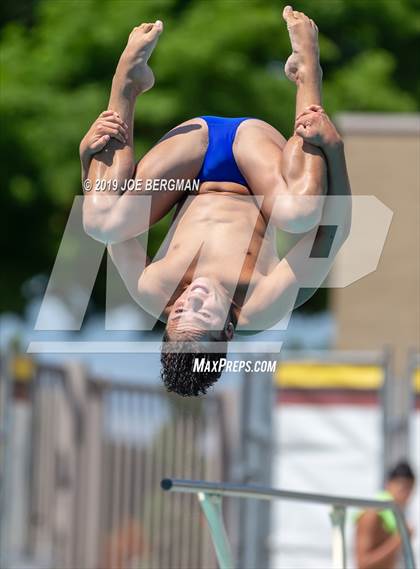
[
  {"x": 143, "y": 278},
  {"x": 130, "y": 259},
  {"x": 277, "y": 294},
  {"x": 338, "y": 185}
]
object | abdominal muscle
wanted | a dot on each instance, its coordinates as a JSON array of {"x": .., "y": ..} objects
[{"x": 224, "y": 218}]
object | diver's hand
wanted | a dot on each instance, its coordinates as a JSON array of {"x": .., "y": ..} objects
[
  {"x": 315, "y": 127},
  {"x": 108, "y": 125}
]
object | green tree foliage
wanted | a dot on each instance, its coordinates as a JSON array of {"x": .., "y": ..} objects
[{"x": 221, "y": 57}]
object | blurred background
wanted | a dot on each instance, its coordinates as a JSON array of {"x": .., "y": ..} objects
[{"x": 86, "y": 438}]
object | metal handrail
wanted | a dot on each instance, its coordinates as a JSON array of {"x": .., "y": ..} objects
[{"x": 211, "y": 493}]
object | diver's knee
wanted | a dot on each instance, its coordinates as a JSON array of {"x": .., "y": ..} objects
[{"x": 297, "y": 213}]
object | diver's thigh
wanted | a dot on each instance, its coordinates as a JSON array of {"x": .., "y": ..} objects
[
  {"x": 177, "y": 156},
  {"x": 258, "y": 151}
]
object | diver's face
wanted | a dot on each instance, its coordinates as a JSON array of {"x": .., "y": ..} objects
[{"x": 201, "y": 310}]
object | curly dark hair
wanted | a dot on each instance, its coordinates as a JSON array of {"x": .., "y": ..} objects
[{"x": 177, "y": 366}]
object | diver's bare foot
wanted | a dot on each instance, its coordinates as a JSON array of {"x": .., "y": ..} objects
[
  {"x": 133, "y": 71},
  {"x": 303, "y": 64}
]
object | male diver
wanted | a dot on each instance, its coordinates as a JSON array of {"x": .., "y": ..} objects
[{"x": 218, "y": 270}]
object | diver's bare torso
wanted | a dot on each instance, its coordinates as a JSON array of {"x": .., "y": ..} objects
[
  {"x": 238, "y": 248},
  {"x": 230, "y": 254}
]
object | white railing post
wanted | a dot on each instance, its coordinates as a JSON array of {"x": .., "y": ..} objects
[
  {"x": 338, "y": 520},
  {"x": 212, "y": 508}
]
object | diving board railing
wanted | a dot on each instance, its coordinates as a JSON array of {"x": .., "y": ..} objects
[{"x": 210, "y": 495}]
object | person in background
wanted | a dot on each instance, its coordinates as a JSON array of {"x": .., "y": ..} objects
[{"x": 378, "y": 544}]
